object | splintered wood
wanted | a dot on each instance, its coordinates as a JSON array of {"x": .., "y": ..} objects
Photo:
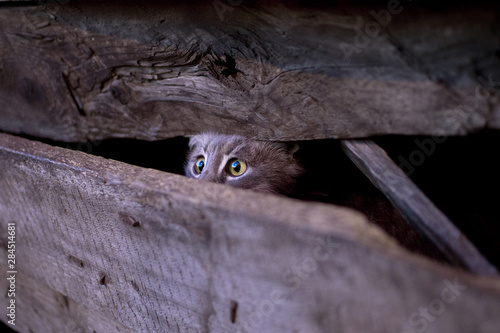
[{"x": 96, "y": 70}]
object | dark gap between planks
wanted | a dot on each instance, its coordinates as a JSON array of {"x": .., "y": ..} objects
[
  {"x": 460, "y": 176},
  {"x": 331, "y": 178}
]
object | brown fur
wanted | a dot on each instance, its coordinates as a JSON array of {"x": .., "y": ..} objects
[{"x": 271, "y": 166}]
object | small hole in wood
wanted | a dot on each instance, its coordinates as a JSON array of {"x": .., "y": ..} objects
[
  {"x": 65, "y": 301},
  {"x": 129, "y": 220},
  {"x": 234, "y": 311},
  {"x": 76, "y": 261},
  {"x": 103, "y": 279},
  {"x": 135, "y": 286},
  {"x": 229, "y": 64}
]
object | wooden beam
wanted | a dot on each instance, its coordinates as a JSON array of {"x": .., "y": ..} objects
[
  {"x": 415, "y": 207},
  {"x": 98, "y": 69},
  {"x": 157, "y": 252}
]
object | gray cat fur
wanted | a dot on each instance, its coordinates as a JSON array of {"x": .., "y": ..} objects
[{"x": 271, "y": 166}]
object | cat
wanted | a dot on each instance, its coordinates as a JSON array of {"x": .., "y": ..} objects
[
  {"x": 274, "y": 167},
  {"x": 238, "y": 161}
]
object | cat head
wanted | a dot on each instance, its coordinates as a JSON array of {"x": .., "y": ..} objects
[{"x": 241, "y": 162}]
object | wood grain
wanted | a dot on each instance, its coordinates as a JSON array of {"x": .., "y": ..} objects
[
  {"x": 41, "y": 309},
  {"x": 93, "y": 70},
  {"x": 152, "y": 252},
  {"x": 415, "y": 207}
]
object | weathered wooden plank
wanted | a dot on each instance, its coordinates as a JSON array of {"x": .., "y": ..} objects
[
  {"x": 92, "y": 70},
  {"x": 40, "y": 309},
  {"x": 159, "y": 252},
  {"x": 415, "y": 207}
]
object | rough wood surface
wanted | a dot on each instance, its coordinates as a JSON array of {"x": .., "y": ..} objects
[
  {"x": 156, "y": 252},
  {"x": 41, "y": 309},
  {"x": 98, "y": 69},
  {"x": 415, "y": 207}
]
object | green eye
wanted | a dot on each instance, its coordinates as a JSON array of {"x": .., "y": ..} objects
[
  {"x": 236, "y": 167},
  {"x": 199, "y": 165}
]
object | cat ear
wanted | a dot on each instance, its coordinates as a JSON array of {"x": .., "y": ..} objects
[
  {"x": 201, "y": 139},
  {"x": 290, "y": 147},
  {"x": 294, "y": 147},
  {"x": 193, "y": 140}
]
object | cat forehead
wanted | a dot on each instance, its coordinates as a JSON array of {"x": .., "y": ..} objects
[{"x": 209, "y": 142}]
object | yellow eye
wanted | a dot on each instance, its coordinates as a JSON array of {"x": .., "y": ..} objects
[
  {"x": 236, "y": 167},
  {"x": 199, "y": 165}
]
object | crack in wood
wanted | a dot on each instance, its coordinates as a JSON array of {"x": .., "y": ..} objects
[
  {"x": 234, "y": 311},
  {"x": 76, "y": 100}
]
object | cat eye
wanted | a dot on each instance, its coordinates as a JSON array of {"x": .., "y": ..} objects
[
  {"x": 236, "y": 167},
  {"x": 199, "y": 164}
]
